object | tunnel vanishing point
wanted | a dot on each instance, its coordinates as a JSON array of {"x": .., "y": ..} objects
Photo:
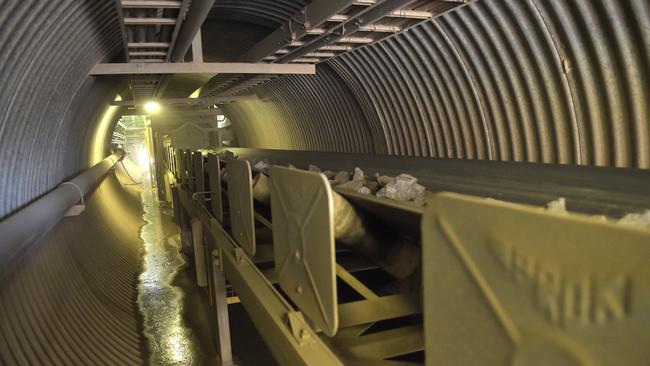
[{"x": 325, "y": 182}]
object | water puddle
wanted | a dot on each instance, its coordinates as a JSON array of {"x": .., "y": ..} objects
[{"x": 170, "y": 341}]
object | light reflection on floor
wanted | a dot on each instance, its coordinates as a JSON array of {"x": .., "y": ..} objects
[{"x": 161, "y": 303}]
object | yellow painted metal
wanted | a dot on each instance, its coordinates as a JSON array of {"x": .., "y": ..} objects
[
  {"x": 262, "y": 220},
  {"x": 375, "y": 347},
  {"x": 199, "y": 175},
  {"x": 361, "y": 289},
  {"x": 513, "y": 284},
  {"x": 189, "y": 169},
  {"x": 303, "y": 235},
  {"x": 214, "y": 174},
  {"x": 354, "y": 283},
  {"x": 268, "y": 309},
  {"x": 373, "y": 310},
  {"x": 178, "y": 158},
  {"x": 240, "y": 197}
]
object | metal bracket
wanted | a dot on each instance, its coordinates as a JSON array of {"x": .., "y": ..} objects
[
  {"x": 77, "y": 209},
  {"x": 198, "y": 184},
  {"x": 240, "y": 197},
  {"x": 214, "y": 174},
  {"x": 221, "y": 306},
  {"x": 216, "y": 255},
  {"x": 573, "y": 288},
  {"x": 299, "y": 328},
  {"x": 213, "y": 222},
  {"x": 303, "y": 237},
  {"x": 240, "y": 255}
]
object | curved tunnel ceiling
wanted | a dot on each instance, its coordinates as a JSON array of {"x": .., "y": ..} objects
[
  {"x": 548, "y": 81},
  {"x": 48, "y": 103}
]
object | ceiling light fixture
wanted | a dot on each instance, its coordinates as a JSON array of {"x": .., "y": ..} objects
[{"x": 152, "y": 107}]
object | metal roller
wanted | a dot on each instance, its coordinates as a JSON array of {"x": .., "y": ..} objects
[
  {"x": 261, "y": 191},
  {"x": 397, "y": 257}
]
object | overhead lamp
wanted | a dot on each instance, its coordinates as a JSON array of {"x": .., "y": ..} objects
[{"x": 152, "y": 107}]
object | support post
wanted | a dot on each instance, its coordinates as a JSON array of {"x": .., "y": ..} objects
[
  {"x": 221, "y": 304},
  {"x": 199, "y": 253}
]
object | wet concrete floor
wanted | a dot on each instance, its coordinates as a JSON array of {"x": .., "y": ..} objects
[
  {"x": 179, "y": 323},
  {"x": 170, "y": 341}
]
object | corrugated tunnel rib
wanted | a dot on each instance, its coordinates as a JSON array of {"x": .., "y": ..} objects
[
  {"x": 560, "y": 82},
  {"x": 72, "y": 301},
  {"x": 537, "y": 81}
]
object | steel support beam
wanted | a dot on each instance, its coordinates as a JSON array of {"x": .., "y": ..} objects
[
  {"x": 268, "y": 310},
  {"x": 179, "y": 23},
  {"x": 184, "y": 114},
  {"x": 147, "y": 53},
  {"x": 199, "y": 10},
  {"x": 221, "y": 305},
  {"x": 197, "y": 48},
  {"x": 364, "y": 19},
  {"x": 149, "y": 21},
  {"x": 151, "y": 4},
  {"x": 199, "y": 68},
  {"x": 313, "y": 15},
  {"x": 148, "y": 45},
  {"x": 189, "y": 101},
  {"x": 120, "y": 18}
]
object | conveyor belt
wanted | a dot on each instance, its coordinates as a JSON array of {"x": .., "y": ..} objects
[{"x": 594, "y": 190}]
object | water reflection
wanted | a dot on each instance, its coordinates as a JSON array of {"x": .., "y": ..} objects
[{"x": 161, "y": 303}]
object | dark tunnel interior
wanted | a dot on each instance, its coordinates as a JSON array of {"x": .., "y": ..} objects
[{"x": 527, "y": 102}]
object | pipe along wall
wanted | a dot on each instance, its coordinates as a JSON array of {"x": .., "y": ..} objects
[{"x": 72, "y": 298}]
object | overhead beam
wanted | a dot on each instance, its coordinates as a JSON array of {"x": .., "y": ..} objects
[
  {"x": 197, "y": 48},
  {"x": 150, "y": 21},
  {"x": 199, "y": 10},
  {"x": 179, "y": 22},
  {"x": 189, "y": 101},
  {"x": 199, "y": 68},
  {"x": 362, "y": 20},
  {"x": 148, "y": 45},
  {"x": 120, "y": 17},
  {"x": 151, "y": 4},
  {"x": 147, "y": 53},
  {"x": 172, "y": 113},
  {"x": 185, "y": 34},
  {"x": 312, "y": 16},
  {"x": 401, "y": 13}
]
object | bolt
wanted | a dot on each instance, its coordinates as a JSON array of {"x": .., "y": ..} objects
[
  {"x": 299, "y": 289},
  {"x": 304, "y": 335},
  {"x": 296, "y": 255}
]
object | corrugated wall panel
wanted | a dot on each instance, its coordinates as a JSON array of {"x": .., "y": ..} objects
[
  {"x": 275, "y": 11},
  {"x": 46, "y": 50},
  {"x": 526, "y": 80},
  {"x": 72, "y": 300},
  {"x": 304, "y": 113}
]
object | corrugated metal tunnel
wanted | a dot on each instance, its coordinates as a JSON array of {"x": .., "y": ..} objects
[{"x": 565, "y": 83}]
